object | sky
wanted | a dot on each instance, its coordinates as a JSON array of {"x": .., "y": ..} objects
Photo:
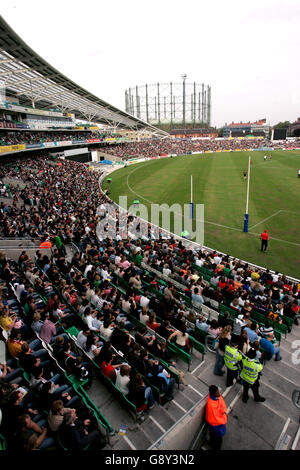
[{"x": 248, "y": 52}]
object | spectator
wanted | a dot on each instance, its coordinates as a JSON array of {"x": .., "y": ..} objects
[
  {"x": 181, "y": 339},
  {"x": 270, "y": 348},
  {"x": 123, "y": 378},
  {"x": 77, "y": 435},
  {"x": 222, "y": 342},
  {"x": 216, "y": 417},
  {"x": 252, "y": 332}
]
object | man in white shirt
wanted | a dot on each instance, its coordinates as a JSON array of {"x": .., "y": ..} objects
[
  {"x": 166, "y": 270},
  {"x": 117, "y": 260},
  {"x": 195, "y": 277},
  {"x": 89, "y": 320},
  {"x": 214, "y": 280},
  {"x": 19, "y": 289},
  {"x": 196, "y": 297},
  {"x": 144, "y": 300},
  {"x": 199, "y": 262},
  {"x": 32, "y": 275},
  {"x": 90, "y": 292},
  {"x": 96, "y": 299},
  {"x": 87, "y": 269},
  {"x": 217, "y": 259},
  {"x": 82, "y": 337},
  {"x": 104, "y": 273},
  {"x": 144, "y": 317}
]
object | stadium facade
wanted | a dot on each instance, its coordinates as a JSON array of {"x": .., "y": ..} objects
[{"x": 242, "y": 129}]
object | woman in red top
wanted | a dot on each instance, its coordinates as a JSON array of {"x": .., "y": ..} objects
[
  {"x": 222, "y": 282},
  {"x": 107, "y": 368},
  {"x": 152, "y": 323}
]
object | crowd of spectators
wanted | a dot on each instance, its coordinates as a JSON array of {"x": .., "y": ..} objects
[
  {"x": 155, "y": 147},
  {"x": 9, "y": 137},
  {"x": 60, "y": 202},
  {"x": 147, "y": 148}
]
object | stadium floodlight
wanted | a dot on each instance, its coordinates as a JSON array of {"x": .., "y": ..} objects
[
  {"x": 183, "y": 98},
  {"x": 246, "y": 219}
]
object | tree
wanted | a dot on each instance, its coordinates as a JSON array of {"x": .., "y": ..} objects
[{"x": 282, "y": 125}]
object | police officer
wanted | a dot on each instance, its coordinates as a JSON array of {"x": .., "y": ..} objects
[
  {"x": 250, "y": 373},
  {"x": 232, "y": 358}
]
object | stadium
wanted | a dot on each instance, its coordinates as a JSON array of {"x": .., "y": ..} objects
[{"x": 118, "y": 329}]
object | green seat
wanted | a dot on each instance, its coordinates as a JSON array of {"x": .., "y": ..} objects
[
  {"x": 183, "y": 355},
  {"x": 94, "y": 409},
  {"x": 3, "y": 443},
  {"x": 196, "y": 345},
  {"x": 200, "y": 335},
  {"x": 76, "y": 382},
  {"x": 73, "y": 331},
  {"x": 26, "y": 309},
  {"x": 128, "y": 405}
]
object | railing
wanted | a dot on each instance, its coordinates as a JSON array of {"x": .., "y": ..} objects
[{"x": 192, "y": 413}]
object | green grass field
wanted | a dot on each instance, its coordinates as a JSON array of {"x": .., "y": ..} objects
[{"x": 218, "y": 183}]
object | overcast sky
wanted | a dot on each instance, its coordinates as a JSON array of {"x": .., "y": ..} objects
[{"x": 248, "y": 52}]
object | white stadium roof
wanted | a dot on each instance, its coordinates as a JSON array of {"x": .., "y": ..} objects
[{"x": 27, "y": 76}]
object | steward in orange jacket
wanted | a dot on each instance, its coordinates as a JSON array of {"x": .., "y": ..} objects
[{"x": 216, "y": 417}]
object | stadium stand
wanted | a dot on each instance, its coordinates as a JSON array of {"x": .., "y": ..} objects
[
  {"x": 168, "y": 146},
  {"x": 114, "y": 331}
]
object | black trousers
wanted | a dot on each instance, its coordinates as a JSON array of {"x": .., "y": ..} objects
[
  {"x": 231, "y": 374},
  {"x": 254, "y": 388},
  {"x": 215, "y": 441},
  {"x": 264, "y": 245}
]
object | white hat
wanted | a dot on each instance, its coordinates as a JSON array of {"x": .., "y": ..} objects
[{"x": 241, "y": 317}]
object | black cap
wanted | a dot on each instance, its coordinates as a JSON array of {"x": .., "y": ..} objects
[{"x": 251, "y": 353}]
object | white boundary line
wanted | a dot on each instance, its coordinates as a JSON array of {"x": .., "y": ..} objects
[
  {"x": 265, "y": 405},
  {"x": 157, "y": 424},
  {"x": 291, "y": 212},
  {"x": 179, "y": 406},
  {"x": 129, "y": 443},
  {"x": 282, "y": 432},
  {"x": 264, "y": 220},
  {"x": 236, "y": 398},
  {"x": 226, "y": 392},
  {"x": 199, "y": 393},
  {"x": 198, "y": 366},
  {"x": 214, "y": 223},
  {"x": 295, "y": 441},
  {"x": 277, "y": 239},
  {"x": 285, "y": 378},
  {"x": 275, "y": 390},
  {"x": 106, "y": 173}
]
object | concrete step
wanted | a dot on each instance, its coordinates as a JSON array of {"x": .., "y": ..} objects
[
  {"x": 118, "y": 443},
  {"x": 284, "y": 383},
  {"x": 184, "y": 399},
  {"x": 153, "y": 428},
  {"x": 193, "y": 393},
  {"x": 138, "y": 437},
  {"x": 161, "y": 415},
  {"x": 175, "y": 409}
]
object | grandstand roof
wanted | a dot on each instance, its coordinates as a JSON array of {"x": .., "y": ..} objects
[
  {"x": 260, "y": 122},
  {"x": 31, "y": 79}
]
